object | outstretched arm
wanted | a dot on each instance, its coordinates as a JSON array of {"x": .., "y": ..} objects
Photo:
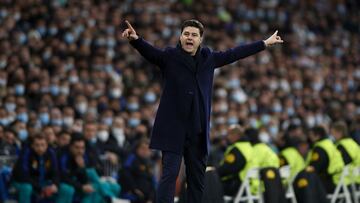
[
  {"x": 242, "y": 51},
  {"x": 150, "y": 53}
]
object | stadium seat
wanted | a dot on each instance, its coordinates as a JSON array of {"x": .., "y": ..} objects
[
  {"x": 285, "y": 174},
  {"x": 244, "y": 193},
  {"x": 341, "y": 191},
  {"x": 354, "y": 188}
]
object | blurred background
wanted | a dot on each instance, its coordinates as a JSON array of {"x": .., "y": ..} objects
[{"x": 64, "y": 69}]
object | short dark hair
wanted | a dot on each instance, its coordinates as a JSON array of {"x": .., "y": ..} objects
[
  {"x": 341, "y": 127},
  {"x": 76, "y": 137},
  {"x": 319, "y": 131},
  {"x": 193, "y": 23},
  {"x": 37, "y": 136}
]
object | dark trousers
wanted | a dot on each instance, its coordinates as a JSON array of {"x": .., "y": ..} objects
[{"x": 195, "y": 161}]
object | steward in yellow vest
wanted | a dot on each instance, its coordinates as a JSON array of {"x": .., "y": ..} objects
[
  {"x": 265, "y": 156},
  {"x": 268, "y": 162},
  {"x": 349, "y": 149},
  {"x": 238, "y": 159},
  {"x": 324, "y": 158},
  {"x": 290, "y": 155}
]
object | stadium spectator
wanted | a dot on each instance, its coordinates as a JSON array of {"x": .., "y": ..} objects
[
  {"x": 137, "y": 177},
  {"x": 237, "y": 160},
  {"x": 36, "y": 173},
  {"x": 324, "y": 158},
  {"x": 68, "y": 54}
]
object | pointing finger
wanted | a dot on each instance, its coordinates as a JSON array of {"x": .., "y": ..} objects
[
  {"x": 129, "y": 25},
  {"x": 275, "y": 33}
]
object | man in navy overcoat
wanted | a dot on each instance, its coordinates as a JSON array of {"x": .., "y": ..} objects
[{"x": 181, "y": 126}]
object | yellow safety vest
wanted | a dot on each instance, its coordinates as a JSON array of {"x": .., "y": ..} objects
[
  {"x": 294, "y": 160},
  {"x": 352, "y": 148},
  {"x": 265, "y": 156},
  {"x": 336, "y": 163},
  {"x": 246, "y": 150}
]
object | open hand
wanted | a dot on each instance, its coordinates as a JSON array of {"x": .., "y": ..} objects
[
  {"x": 130, "y": 32},
  {"x": 274, "y": 39}
]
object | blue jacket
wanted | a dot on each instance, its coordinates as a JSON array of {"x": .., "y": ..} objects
[{"x": 185, "y": 103}]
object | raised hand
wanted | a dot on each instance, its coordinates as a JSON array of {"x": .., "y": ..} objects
[
  {"x": 130, "y": 32},
  {"x": 273, "y": 39}
]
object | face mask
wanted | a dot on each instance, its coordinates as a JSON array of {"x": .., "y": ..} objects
[
  {"x": 54, "y": 90},
  {"x": 290, "y": 111},
  {"x": 221, "y": 93},
  {"x": 111, "y": 42},
  {"x": 133, "y": 106},
  {"x": 19, "y": 89},
  {"x": 233, "y": 83},
  {"x": 119, "y": 136},
  {"x": 254, "y": 123},
  {"x": 3, "y": 82},
  {"x": 107, "y": 121},
  {"x": 108, "y": 68},
  {"x": 274, "y": 130},
  {"x": 68, "y": 121},
  {"x": 41, "y": 30},
  {"x": 133, "y": 122},
  {"x": 73, "y": 79},
  {"x": 44, "y": 118},
  {"x": 150, "y": 97},
  {"x": 4, "y": 122},
  {"x": 116, "y": 93},
  {"x": 57, "y": 122},
  {"x": 81, "y": 107},
  {"x": 69, "y": 38},
  {"x": 223, "y": 108},
  {"x": 23, "y": 117},
  {"x": 3, "y": 64},
  {"x": 53, "y": 31},
  {"x": 93, "y": 140},
  {"x": 232, "y": 120},
  {"x": 22, "y": 39},
  {"x": 64, "y": 90},
  {"x": 10, "y": 107},
  {"x": 239, "y": 97},
  {"x": 310, "y": 121},
  {"x": 297, "y": 85},
  {"x": 103, "y": 135},
  {"x": 264, "y": 137},
  {"x": 253, "y": 108},
  {"x": 23, "y": 135},
  {"x": 46, "y": 55},
  {"x": 277, "y": 108},
  {"x": 265, "y": 119},
  {"x": 220, "y": 120},
  {"x": 332, "y": 138}
]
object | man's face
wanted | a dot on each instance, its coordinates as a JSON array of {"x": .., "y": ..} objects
[
  {"x": 190, "y": 39},
  {"x": 78, "y": 148},
  {"x": 90, "y": 131},
  {"x": 313, "y": 137},
  {"x": 39, "y": 146},
  {"x": 337, "y": 135}
]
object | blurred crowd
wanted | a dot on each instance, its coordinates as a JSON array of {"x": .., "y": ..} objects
[{"x": 64, "y": 69}]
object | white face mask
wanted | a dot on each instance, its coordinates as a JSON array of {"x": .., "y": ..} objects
[
  {"x": 68, "y": 121},
  {"x": 103, "y": 135},
  {"x": 264, "y": 137},
  {"x": 81, "y": 107},
  {"x": 119, "y": 136}
]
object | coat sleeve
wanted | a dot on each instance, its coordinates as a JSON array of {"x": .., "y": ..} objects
[
  {"x": 232, "y": 167},
  {"x": 222, "y": 58},
  {"x": 149, "y": 52}
]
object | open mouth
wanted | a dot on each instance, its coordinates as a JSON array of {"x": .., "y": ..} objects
[{"x": 189, "y": 43}]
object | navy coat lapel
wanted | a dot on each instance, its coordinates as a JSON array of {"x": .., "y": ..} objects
[{"x": 187, "y": 59}]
